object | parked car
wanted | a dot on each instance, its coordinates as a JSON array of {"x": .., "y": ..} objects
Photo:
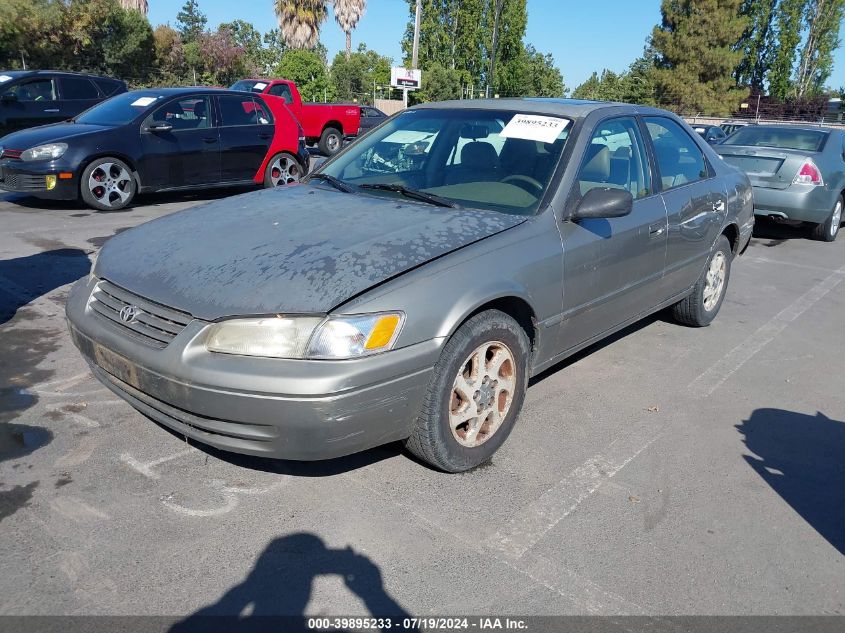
[
  {"x": 798, "y": 173},
  {"x": 37, "y": 97},
  {"x": 711, "y": 133},
  {"x": 410, "y": 296},
  {"x": 371, "y": 117},
  {"x": 326, "y": 125},
  {"x": 731, "y": 126},
  {"x": 156, "y": 140}
]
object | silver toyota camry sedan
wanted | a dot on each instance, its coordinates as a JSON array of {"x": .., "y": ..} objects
[{"x": 412, "y": 286}]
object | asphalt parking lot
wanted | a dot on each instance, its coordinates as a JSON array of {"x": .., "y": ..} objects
[{"x": 668, "y": 471}]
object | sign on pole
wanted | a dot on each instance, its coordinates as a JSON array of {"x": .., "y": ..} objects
[{"x": 405, "y": 78}]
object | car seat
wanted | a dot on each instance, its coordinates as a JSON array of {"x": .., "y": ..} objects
[
  {"x": 479, "y": 163},
  {"x": 596, "y": 170}
]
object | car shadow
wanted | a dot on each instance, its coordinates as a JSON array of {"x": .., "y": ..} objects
[
  {"x": 202, "y": 195},
  {"x": 274, "y": 595},
  {"x": 802, "y": 457},
  {"x": 777, "y": 233}
]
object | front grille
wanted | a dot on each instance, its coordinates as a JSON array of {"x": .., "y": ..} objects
[
  {"x": 12, "y": 181},
  {"x": 153, "y": 324}
]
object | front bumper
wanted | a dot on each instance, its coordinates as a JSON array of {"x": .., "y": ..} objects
[
  {"x": 31, "y": 178},
  {"x": 803, "y": 203},
  {"x": 289, "y": 409}
]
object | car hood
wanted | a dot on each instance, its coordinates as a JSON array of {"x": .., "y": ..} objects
[
  {"x": 52, "y": 133},
  {"x": 297, "y": 249}
]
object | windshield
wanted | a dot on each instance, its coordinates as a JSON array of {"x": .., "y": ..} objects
[
  {"x": 249, "y": 85},
  {"x": 119, "y": 110},
  {"x": 783, "y": 138},
  {"x": 492, "y": 159}
]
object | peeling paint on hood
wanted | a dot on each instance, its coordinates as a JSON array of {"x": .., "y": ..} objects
[{"x": 298, "y": 249}]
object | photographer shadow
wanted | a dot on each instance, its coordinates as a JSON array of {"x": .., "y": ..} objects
[{"x": 274, "y": 595}]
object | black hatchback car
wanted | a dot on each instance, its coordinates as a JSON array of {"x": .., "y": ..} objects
[{"x": 37, "y": 97}]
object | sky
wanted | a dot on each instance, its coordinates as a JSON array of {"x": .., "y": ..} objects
[{"x": 582, "y": 36}]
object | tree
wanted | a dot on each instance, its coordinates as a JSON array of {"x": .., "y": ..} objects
[
  {"x": 543, "y": 78},
  {"x": 274, "y": 48},
  {"x": 755, "y": 43},
  {"x": 169, "y": 55},
  {"x": 822, "y": 19},
  {"x": 607, "y": 87},
  {"x": 695, "y": 46},
  {"x": 30, "y": 30},
  {"x": 347, "y": 13},
  {"x": 300, "y": 21},
  {"x": 788, "y": 23},
  {"x": 353, "y": 77},
  {"x": 190, "y": 21},
  {"x": 247, "y": 37},
  {"x": 307, "y": 68},
  {"x": 439, "y": 84},
  {"x": 509, "y": 51}
]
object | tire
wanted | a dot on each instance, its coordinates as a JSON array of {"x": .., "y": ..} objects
[
  {"x": 828, "y": 230},
  {"x": 698, "y": 309},
  {"x": 118, "y": 186},
  {"x": 330, "y": 141},
  {"x": 489, "y": 335},
  {"x": 282, "y": 169}
]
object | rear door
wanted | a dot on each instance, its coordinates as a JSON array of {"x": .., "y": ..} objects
[
  {"x": 188, "y": 154},
  {"x": 30, "y": 102},
  {"x": 696, "y": 201},
  {"x": 246, "y": 133},
  {"x": 76, "y": 94}
]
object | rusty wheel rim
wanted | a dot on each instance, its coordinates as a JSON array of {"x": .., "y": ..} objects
[{"x": 482, "y": 394}]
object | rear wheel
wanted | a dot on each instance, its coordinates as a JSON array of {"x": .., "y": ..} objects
[
  {"x": 475, "y": 394},
  {"x": 828, "y": 230},
  {"x": 702, "y": 305},
  {"x": 330, "y": 141},
  {"x": 283, "y": 169},
  {"x": 107, "y": 184}
]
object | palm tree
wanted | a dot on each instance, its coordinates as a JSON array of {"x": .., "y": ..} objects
[
  {"x": 300, "y": 20},
  {"x": 347, "y": 13}
]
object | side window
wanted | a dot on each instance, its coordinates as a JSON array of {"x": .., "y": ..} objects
[
  {"x": 616, "y": 158},
  {"x": 236, "y": 110},
  {"x": 262, "y": 112},
  {"x": 281, "y": 90},
  {"x": 679, "y": 159},
  {"x": 843, "y": 147},
  {"x": 190, "y": 113},
  {"x": 107, "y": 86},
  {"x": 35, "y": 90},
  {"x": 77, "y": 88}
]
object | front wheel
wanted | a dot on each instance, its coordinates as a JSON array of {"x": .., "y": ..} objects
[
  {"x": 330, "y": 141},
  {"x": 702, "y": 305},
  {"x": 828, "y": 230},
  {"x": 283, "y": 169},
  {"x": 107, "y": 184},
  {"x": 475, "y": 394}
]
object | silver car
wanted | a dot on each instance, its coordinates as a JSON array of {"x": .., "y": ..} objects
[
  {"x": 798, "y": 173},
  {"x": 409, "y": 290}
]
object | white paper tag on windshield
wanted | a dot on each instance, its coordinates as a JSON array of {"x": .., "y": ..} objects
[
  {"x": 143, "y": 101},
  {"x": 259, "y": 86},
  {"x": 5, "y": 78},
  {"x": 534, "y": 127}
]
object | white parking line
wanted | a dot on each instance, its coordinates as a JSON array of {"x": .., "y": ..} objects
[
  {"x": 764, "y": 260},
  {"x": 714, "y": 377},
  {"x": 146, "y": 468}
]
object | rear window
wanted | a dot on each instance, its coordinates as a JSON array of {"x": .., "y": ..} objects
[
  {"x": 249, "y": 85},
  {"x": 783, "y": 138},
  {"x": 108, "y": 86}
]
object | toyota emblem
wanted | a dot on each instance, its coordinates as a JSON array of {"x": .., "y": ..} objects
[{"x": 129, "y": 313}]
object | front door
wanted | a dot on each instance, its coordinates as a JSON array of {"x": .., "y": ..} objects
[
  {"x": 188, "y": 153},
  {"x": 695, "y": 200},
  {"x": 246, "y": 132},
  {"x": 613, "y": 267}
]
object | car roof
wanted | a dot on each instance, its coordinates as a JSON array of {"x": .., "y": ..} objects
[
  {"x": 570, "y": 108},
  {"x": 803, "y": 128},
  {"x": 34, "y": 73},
  {"x": 167, "y": 92}
]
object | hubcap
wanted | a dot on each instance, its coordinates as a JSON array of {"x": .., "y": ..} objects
[
  {"x": 110, "y": 184},
  {"x": 332, "y": 142},
  {"x": 284, "y": 171},
  {"x": 482, "y": 394},
  {"x": 715, "y": 281},
  {"x": 837, "y": 219}
]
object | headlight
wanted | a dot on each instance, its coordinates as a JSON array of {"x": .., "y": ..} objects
[
  {"x": 306, "y": 337},
  {"x": 50, "y": 151}
]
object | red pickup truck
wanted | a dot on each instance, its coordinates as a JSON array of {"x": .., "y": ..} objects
[{"x": 325, "y": 124}]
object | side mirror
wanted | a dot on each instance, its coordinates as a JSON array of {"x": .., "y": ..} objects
[
  {"x": 604, "y": 202},
  {"x": 9, "y": 97},
  {"x": 159, "y": 128},
  {"x": 316, "y": 163}
]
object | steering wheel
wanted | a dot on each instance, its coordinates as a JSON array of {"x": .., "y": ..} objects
[{"x": 536, "y": 187}]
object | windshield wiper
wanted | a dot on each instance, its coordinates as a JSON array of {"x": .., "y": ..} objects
[
  {"x": 337, "y": 183},
  {"x": 413, "y": 193}
]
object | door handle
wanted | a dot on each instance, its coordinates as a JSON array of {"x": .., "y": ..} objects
[
  {"x": 52, "y": 110},
  {"x": 719, "y": 206},
  {"x": 656, "y": 230},
  {"x": 264, "y": 135},
  {"x": 209, "y": 139}
]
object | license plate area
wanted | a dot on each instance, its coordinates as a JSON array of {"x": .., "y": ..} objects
[{"x": 115, "y": 364}]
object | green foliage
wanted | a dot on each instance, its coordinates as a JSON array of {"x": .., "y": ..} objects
[
  {"x": 541, "y": 78},
  {"x": 697, "y": 56},
  {"x": 756, "y": 42},
  {"x": 32, "y": 29},
  {"x": 307, "y": 68},
  {"x": 440, "y": 84},
  {"x": 636, "y": 85},
  {"x": 353, "y": 79},
  {"x": 822, "y": 19},
  {"x": 788, "y": 23},
  {"x": 510, "y": 78},
  {"x": 190, "y": 21}
]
